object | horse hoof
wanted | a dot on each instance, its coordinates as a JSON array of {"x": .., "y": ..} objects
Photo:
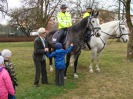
[
  {"x": 51, "y": 69},
  {"x": 76, "y": 76},
  {"x": 98, "y": 70},
  {"x": 91, "y": 71},
  {"x": 65, "y": 77}
]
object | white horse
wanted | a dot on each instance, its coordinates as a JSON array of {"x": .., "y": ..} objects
[{"x": 115, "y": 29}]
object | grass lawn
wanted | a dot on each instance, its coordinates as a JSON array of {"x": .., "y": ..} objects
[{"x": 115, "y": 80}]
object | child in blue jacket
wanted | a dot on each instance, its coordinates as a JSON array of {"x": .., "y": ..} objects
[{"x": 59, "y": 60}]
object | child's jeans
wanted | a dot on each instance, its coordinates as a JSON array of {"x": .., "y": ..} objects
[
  {"x": 59, "y": 77},
  {"x": 11, "y": 96}
]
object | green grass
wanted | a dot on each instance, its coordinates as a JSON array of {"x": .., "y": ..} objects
[{"x": 115, "y": 80}]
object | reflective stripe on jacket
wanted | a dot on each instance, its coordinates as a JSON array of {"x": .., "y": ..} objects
[
  {"x": 86, "y": 14},
  {"x": 64, "y": 20}
]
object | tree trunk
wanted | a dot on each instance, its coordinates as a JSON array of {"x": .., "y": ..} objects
[{"x": 130, "y": 43}]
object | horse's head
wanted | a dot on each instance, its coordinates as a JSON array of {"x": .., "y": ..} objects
[
  {"x": 93, "y": 23},
  {"x": 122, "y": 32}
]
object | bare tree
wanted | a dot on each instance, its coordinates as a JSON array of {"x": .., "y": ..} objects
[
  {"x": 24, "y": 19},
  {"x": 130, "y": 25},
  {"x": 3, "y": 6},
  {"x": 34, "y": 14}
]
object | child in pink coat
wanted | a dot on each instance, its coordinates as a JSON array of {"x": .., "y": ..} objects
[{"x": 6, "y": 86}]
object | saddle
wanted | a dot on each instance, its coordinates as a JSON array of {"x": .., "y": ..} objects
[
  {"x": 59, "y": 37},
  {"x": 87, "y": 36},
  {"x": 87, "y": 39}
]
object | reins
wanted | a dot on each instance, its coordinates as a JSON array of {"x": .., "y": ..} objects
[
  {"x": 93, "y": 28},
  {"x": 121, "y": 34}
]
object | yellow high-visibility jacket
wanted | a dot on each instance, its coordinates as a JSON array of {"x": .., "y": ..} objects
[
  {"x": 86, "y": 14},
  {"x": 64, "y": 20}
]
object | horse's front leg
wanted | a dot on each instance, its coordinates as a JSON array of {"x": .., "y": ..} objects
[
  {"x": 50, "y": 62},
  {"x": 97, "y": 62},
  {"x": 67, "y": 64},
  {"x": 76, "y": 63},
  {"x": 93, "y": 55}
]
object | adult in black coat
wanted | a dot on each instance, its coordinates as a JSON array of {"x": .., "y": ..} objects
[{"x": 40, "y": 45}]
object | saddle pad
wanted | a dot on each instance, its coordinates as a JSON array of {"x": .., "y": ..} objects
[{"x": 55, "y": 36}]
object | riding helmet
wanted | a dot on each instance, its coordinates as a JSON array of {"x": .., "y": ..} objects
[
  {"x": 63, "y": 6},
  {"x": 88, "y": 7}
]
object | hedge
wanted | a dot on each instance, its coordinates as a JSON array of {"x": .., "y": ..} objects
[{"x": 16, "y": 39}]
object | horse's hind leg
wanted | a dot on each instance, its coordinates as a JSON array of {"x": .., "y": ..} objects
[
  {"x": 50, "y": 64},
  {"x": 67, "y": 64},
  {"x": 72, "y": 61}
]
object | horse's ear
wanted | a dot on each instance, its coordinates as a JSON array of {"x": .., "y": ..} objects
[
  {"x": 122, "y": 20},
  {"x": 92, "y": 13},
  {"x": 97, "y": 13}
]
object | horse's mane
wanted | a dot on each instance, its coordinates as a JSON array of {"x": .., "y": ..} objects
[
  {"x": 80, "y": 25},
  {"x": 114, "y": 23}
]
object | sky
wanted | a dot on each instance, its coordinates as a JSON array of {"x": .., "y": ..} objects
[{"x": 11, "y": 4}]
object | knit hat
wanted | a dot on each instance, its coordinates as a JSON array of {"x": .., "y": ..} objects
[
  {"x": 6, "y": 53},
  {"x": 1, "y": 60},
  {"x": 58, "y": 45},
  {"x": 41, "y": 30}
]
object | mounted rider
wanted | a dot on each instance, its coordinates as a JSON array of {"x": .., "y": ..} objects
[
  {"x": 86, "y": 14},
  {"x": 64, "y": 22}
]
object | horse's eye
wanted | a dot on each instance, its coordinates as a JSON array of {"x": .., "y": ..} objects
[
  {"x": 122, "y": 28},
  {"x": 93, "y": 21}
]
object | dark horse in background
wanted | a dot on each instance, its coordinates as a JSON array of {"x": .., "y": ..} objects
[{"x": 76, "y": 35}]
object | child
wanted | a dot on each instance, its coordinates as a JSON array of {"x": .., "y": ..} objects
[
  {"x": 9, "y": 67},
  {"x": 6, "y": 86},
  {"x": 59, "y": 60}
]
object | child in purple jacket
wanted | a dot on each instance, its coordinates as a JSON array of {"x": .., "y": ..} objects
[{"x": 59, "y": 60}]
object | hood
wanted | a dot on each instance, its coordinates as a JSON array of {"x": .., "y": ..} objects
[
  {"x": 1, "y": 68},
  {"x": 58, "y": 46}
]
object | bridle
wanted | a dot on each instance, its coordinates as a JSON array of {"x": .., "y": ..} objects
[
  {"x": 87, "y": 26},
  {"x": 120, "y": 31},
  {"x": 93, "y": 29}
]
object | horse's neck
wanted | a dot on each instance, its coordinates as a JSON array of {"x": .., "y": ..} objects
[
  {"x": 79, "y": 29},
  {"x": 110, "y": 29}
]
